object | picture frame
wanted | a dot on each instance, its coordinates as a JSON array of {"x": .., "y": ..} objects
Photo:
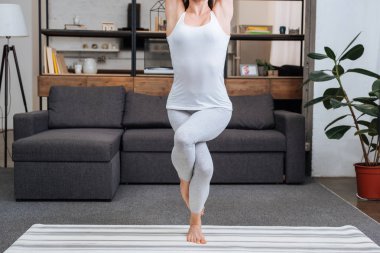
[{"x": 248, "y": 70}]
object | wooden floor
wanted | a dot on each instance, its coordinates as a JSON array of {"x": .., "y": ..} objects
[{"x": 345, "y": 187}]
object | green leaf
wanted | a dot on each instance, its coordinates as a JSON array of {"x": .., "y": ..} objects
[
  {"x": 366, "y": 100},
  {"x": 365, "y": 139},
  {"x": 320, "y": 76},
  {"x": 337, "y": 119},
  {"x": 373, "y": 128},
  {"x": 374, "y": 147},
  {"x": 354, "y": 53},
  {"x": 368, "y": 109},
  {"x": 363, "y": 131},
  {"x": 336, "y": 103},
  {"x": 375, "y": 93},
  {"x": 364, "y": 72},
  {"x": 340, "y": 70},
  {"x": 336, "y": 93},
  {"x": 314, "y": 101},
  {"x": 330, "y": 53},
  {"x": 363, "y": 122},
  {"x": 317, "y": 56},
  {"x": 337, "y": 132},
  {"x": 376, "y": 85},
  {"x": 350, "y": 44}
]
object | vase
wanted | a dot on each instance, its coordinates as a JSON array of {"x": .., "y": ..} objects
[
  {"x": 90, "y": 66},
  {"x": 368, "y": 181}
]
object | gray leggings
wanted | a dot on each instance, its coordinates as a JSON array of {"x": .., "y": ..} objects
[{"x": 190, "y": 155}]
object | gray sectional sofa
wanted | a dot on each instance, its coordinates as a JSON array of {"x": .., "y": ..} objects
[{"x": 91, "y": 139}]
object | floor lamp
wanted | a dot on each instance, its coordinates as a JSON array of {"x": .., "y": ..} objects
[{"x": 12, "y": 24}]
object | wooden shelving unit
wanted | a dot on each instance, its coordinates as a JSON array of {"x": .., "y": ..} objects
[{"x": 282, "y": 87}]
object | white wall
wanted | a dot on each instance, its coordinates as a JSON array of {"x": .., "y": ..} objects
[
  {"x": 337, "y": 24},
  {"x": 27, "y": 55}
]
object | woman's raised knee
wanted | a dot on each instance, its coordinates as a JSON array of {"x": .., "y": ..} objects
[{"x": 183, "y": 138}]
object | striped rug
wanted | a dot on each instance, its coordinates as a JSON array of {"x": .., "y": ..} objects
[{"x": 172, "y": 238}]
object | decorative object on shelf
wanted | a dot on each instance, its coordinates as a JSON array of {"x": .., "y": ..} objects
[
  {"x": 85, "y": 45},
  {"x": 272, "y": 72},
  {"x": 158, "y": 12},
  {"x": 108, "y": 26},
  {"x": 248, "y": 70},
  {"x": 90, "y": 66},
  {"x": 94, "y": 46},
  {"x": 294, "y": 31},
  {"x": 264, "y": 67},
  {"x": 137, "y": 17},
  {"x": 282, "y": 29},
  {"x": 78, "y": 68},
  {"x": 367, "y": 172},
  {"x": 12, "y": 24},
  {"x": 76, "y": 20},
  {"x": 256, "y": 29},
  {"x": 105, "y": 45},
  {"x": 76, "y": 25}
]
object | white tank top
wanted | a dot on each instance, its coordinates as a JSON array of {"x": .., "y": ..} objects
[{"x": 198, "y": 56}]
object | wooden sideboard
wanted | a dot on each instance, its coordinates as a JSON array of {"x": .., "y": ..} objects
[{"x": 279, "y": 87}]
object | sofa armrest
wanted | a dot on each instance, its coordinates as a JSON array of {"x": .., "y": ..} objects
[
  {"x": 292, "y": 125},
  {"x": 30, "y": 123}
]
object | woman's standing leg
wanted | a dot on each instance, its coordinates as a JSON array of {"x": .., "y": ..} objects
[{"x": 202, "y": 126}]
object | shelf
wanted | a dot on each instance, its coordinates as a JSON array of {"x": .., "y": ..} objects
[
  {"x": 268, "y": 37},
  {"x": 234, "y": 36},
  {"x": 84, "y": 75},
  {"x": 148, "y": 34},
  {"x": 162, "y": 35},
  {"x": 264, "y": 77},
  {"x": 86, "y": 33},
  {"x": 99, "y": 50}
]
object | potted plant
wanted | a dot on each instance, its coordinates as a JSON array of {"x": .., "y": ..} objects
[
  {"x": 262, "y": 66},
  {"x": 367, "y": 172},
  {"x": 265, "y": 68}
]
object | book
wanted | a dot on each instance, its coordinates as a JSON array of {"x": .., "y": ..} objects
[
  {"x": 45, "y": 68},
  {"x": 61, "y": 63},
  {"x": 56, "y": 70},
  {"x": 49, "y": 56}
]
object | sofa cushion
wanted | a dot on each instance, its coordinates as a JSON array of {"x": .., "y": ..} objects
[
  {"x": 145, "y": 111},
  {"x": 69, "y": 145},
  {"x": 78, "y": 107},
  {"x": 252, "y": 112},
  {"x": 230, "y": 140}
]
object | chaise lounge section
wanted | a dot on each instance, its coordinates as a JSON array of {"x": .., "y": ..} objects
[{"x": 70, "y": 151}]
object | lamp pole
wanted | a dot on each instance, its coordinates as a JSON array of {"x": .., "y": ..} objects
[
  {"x": 12, "y": 24},
  {"x": 5, "y": 68}
]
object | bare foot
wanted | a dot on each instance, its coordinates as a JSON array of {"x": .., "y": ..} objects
[
  {"x": 195, "y": 230},
  {"x": 184, "y": 187}
]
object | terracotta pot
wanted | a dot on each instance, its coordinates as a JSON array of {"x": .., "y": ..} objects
[{"x": 368, "y": 181}]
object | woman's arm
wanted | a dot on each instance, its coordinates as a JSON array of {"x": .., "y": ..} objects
[
  {"x": 224, "y": 11},
  {"x": 173, "y": 10}
]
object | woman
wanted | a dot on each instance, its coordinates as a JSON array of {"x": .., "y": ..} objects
[{"x": 198, "y": 106}]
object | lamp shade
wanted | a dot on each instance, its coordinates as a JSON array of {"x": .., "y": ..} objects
[{"x": 12, "y": 22}]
